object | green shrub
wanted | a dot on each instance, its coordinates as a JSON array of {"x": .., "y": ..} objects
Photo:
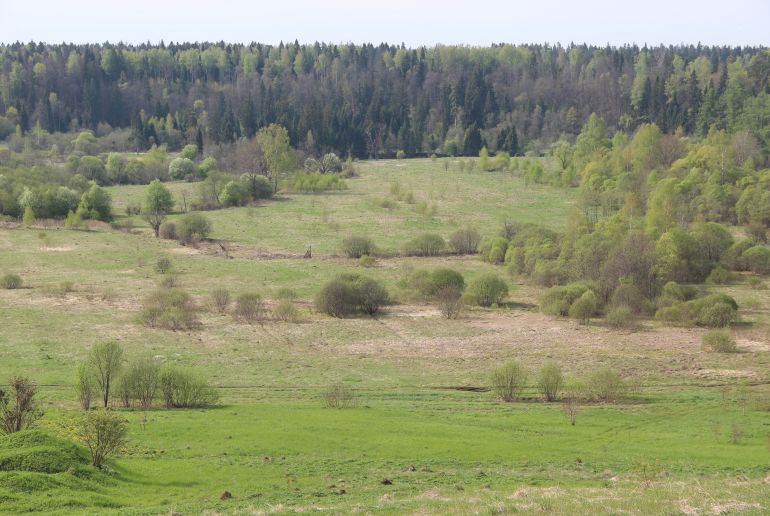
[
  {"x": 11, "y": 281},
  {"x": 103, "y": 432},
  {"x": 339, "y": 396},
  {"x": 584, "y": 307},
  {"x": 314, "y": 182},
  {"x": 167, "y": 230},
  {"x": 285, "y": 293},
  {"x": 139, "y": 383},
  {"x": 171, "y": 309},
  {"x": 220, "y": 299},
  {"x": 606, "y": 385},
  {"x": 351, "y": 293},
  {"x": 558, "y": 300},
  {"x": 493, "y": 250},
  {"x": 193, "y": 228},
  {"x": 629, "y": 295},
  {"x": 429, "y": 284},
  {"x": 720, "y": 341},
  {"x": 367, "y": 261},
  {"x": 427, "y": 244},
  {"x": 733, "y": 257},
  {"x": 182, "y": 388},
  {"x": 487, "y": 289},
  {"x": 757, "y": 259},
  {"x": 621, "y": 317},
  {"x": 235, "y": 193},
  {"x": 372, "y": 295},
  {"x": 249, "y": 307},
  {"x": 286, "y": 311},
  {"x": 163, "y": 265},
  {"x": 358, "y": 246},
  {"x": 509, "y": 380},
  {"x": 465, "y": 241},
  {"x": 714, "y": 310},
  {"x": 449, "y": 301},
  {"x": 550, "y": 381},
  {"x": 720, "y": 276}
]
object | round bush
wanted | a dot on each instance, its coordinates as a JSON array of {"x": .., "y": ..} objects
[
  {"x": 717, "y": 315},
  {"x": 487, "y": 289},
  {"x": 720, "y": 341},
  {"x": 193, "y": 228},
  {"x": 249, "y": 307},
  {"x": 428, "y": 244},
  {"x": 465, "y": 241},
  {"x": 372, "y": 295},
  {"x": 350, "y": 293},
  {"x": 441, "y": 279},
  {"x": 358, "y": 246},
  {"x": 11, "y": 281},
  {"x": 757, "y": 259},
  {"x": 584, "y": 307},
  {"x": 168, "y": 231},
  {"x": 621, "y": 317}
]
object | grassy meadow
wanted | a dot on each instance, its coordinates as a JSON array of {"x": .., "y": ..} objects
[{"x": 425, "y": 435}]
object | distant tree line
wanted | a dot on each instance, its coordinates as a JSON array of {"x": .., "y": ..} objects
[{"x": 370, "y": 101}]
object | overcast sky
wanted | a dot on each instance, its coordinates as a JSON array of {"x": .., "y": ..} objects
[{"x": 736, "y": 22}]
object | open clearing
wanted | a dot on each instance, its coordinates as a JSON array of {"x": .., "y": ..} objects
[{"x": 423, "y": 419}]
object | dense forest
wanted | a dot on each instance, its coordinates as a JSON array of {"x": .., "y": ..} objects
[{"x": 370, "y": 101}]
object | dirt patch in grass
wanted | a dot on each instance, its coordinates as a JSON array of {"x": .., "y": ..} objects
[{"x": 57, "y": 249}]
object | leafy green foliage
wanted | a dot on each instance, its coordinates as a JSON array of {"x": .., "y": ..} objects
[
  {"x": 351, "y": 293},
  {"x": 508, "y": 380},
  {"x": 487, "y": 290}
]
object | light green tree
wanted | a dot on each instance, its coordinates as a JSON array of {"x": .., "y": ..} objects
[{"x": 158, "y": 203}]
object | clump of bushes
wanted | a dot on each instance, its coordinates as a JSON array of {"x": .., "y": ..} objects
[
  {"x": 720, "y": 341},
  {"x": 558, "y": 300},
  {"x": 182, "y": 388},
  {"x": 606, "y": 385},
  {"x": 285, "y": 311},
  {"x": 170, "y": 309},
  {"x": 621, "y": 317},
  {"x": 508, "y": 381},
  {"x": 314, "y": 182},
  {"x": 550, "y": 381},
  {"x": 465, "y": 241},
  {"x": 168, "y": 231},
  {"x": 757, "y": 259},
  {"x": 431, "y": 283},
  {"x": 11, "y": 281},
  {"x": 348, "y": 294},
  {"x": 487, "y": 290},
  {"x": 584, "y": 307},
  {"x": 714, "y": 310},
  {"x": 358, "y": 246},
  {"x": 192, "y": 228},
  {"x": 220, "y": 299},
  {"x": 493, "y": 250},
  {"x": 249, "y": 307},
  {"x": 427, "y": 244},
  {"x": 339, "y": 396}
]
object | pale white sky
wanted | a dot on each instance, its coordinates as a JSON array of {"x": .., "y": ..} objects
[{"x": 735, "y": 22}]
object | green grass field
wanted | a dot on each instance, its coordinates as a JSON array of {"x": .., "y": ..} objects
[{"x": 693, "y": 438}]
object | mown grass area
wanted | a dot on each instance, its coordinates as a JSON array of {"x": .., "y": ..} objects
[{"x": 693, "y": 435}]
